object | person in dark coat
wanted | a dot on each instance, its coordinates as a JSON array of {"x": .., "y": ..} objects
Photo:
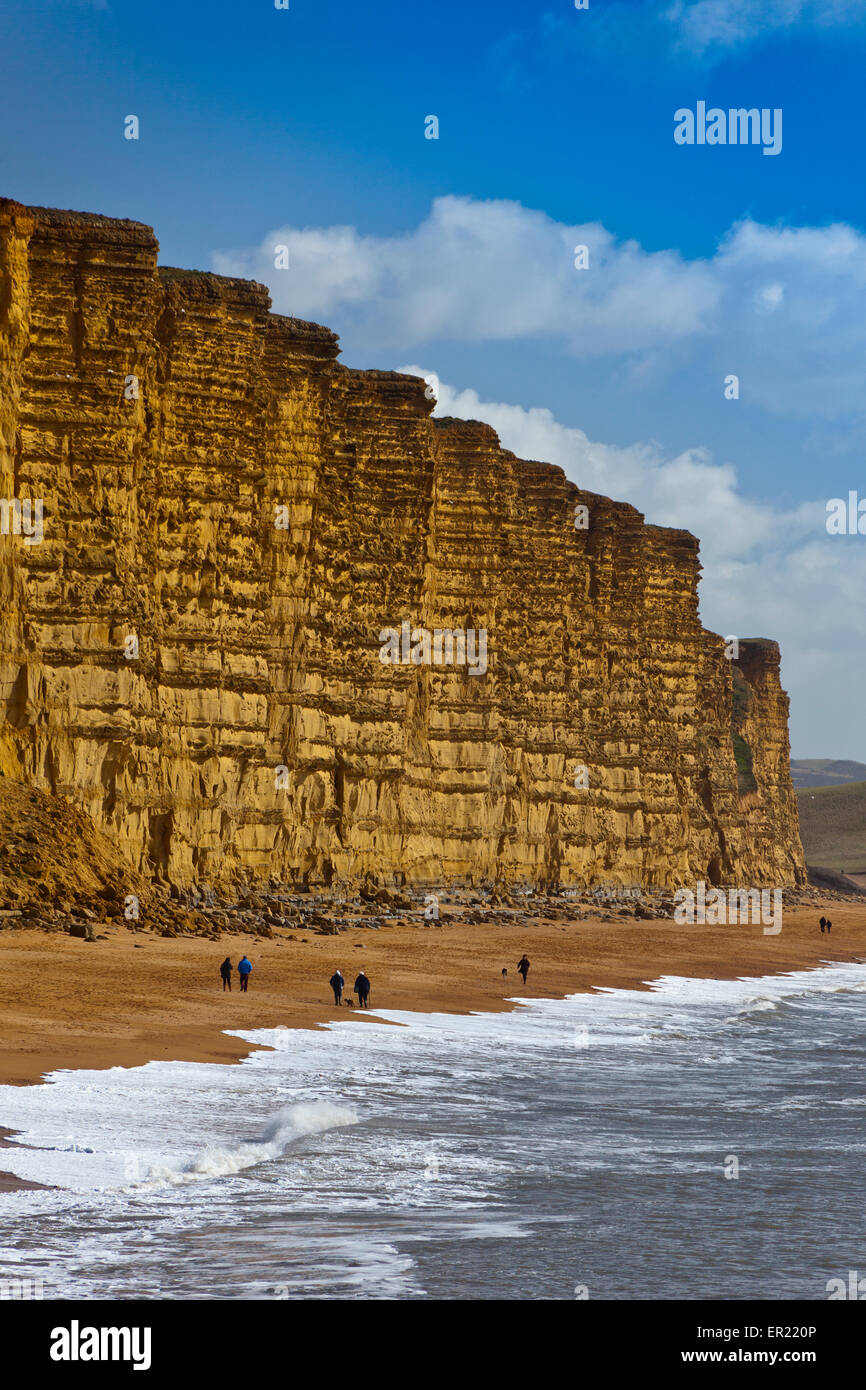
[
  {"x": 362, "y": 989},
  {"x": 226, "y": 972},
  {"x": 822, "y": 924},
  {"x": 337, "y": 983},
  {"x": 523, "y": 966}
]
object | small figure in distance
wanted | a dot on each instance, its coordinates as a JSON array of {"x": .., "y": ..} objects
[
  {"x": 226, "y": 973},
  {"x": 362, "y": 989},
  {"x": 822, "y": 924},
  {"x": 244, "y": 968},
  {"x": 829, "y": 925},
  {"x": 337, "y": 982},
  {"x": 523, "y": 967},
  {"x": 504, "y": 972}
]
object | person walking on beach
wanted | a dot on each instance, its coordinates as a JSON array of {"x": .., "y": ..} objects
[
  {"x": 226, "y": 972},
  {"x": 362, "y": 989},
  {"x": 337, "y": 982},
  {"x": 244, "y": 968},
  {"x": 523, "y": 966},
  {"x": 829, "y": 925},
  {"x": 822, "y": 924}
]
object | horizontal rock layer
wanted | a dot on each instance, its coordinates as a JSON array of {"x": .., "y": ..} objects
[{"x": 232, "y": 517}]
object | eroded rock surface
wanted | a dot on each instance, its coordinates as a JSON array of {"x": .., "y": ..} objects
[{"x": 169, "y": 422}]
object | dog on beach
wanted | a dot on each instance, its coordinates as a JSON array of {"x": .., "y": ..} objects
[
  {"x": 349, "y": 1003},
  {"x": 504, "y": 972}
]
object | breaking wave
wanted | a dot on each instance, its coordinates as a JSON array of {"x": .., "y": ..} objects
[{"x": 282, "y": 1129}]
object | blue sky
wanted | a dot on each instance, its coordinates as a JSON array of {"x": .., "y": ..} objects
[{"x": 556, "y": 125}]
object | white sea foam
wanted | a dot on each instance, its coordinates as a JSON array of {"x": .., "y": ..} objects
[
  {"x": 277, "y": 1135},
  {"x": 138, "y": 1128},
  {"x": 362, "y": 1160},
  {"x": 754, "y": 1006}
]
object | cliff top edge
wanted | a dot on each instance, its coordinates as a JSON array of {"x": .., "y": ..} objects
[{"x": 202, "y": 285}]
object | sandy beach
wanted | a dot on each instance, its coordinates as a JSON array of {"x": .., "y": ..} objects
[{"x": 138, "y": 996}]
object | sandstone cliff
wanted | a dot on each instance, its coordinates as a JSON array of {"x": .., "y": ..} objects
[{"x": 231, "y": 517}]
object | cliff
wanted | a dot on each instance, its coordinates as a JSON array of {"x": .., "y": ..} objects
[{"x": 192, "y": 652}]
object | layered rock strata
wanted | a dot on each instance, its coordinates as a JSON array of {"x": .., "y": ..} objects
[{"x": 192, "y": 653}]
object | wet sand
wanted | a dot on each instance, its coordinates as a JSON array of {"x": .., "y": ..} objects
[{"x": 8, "y": 1181}]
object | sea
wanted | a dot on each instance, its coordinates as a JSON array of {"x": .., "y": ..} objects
[{"x": 698, "y": 1139}]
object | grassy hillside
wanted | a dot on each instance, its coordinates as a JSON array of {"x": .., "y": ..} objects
[
  {"x": 833, "y": 826},
  {"x": 825, "y": 772}
]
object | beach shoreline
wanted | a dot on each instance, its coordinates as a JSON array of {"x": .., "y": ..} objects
[
  {"x": 138, "y": 997},
  {"x": 10, "y": 1182}
]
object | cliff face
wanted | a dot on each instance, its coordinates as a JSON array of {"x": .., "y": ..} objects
[{"x": 232, "y": 519}]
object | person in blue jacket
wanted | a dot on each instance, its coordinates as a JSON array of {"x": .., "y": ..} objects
[{"x": 244, "y": 968}]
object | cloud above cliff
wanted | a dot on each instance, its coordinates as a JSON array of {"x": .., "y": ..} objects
[
  {"x": 482, "y": 271},
  {"x": 689, "y": 490},
  {"x": 769, "y": 571},
  {"x": 779, "y": 306}
]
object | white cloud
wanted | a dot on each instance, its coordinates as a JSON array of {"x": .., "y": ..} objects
[
  {"x": 770, "y": 297},
  {"x": 688, "y": 490},
  {"x": 483, "y": 271},
  {"x": 692, "y": 32},
  {"x": 779, "y": 306},
  {"x": 721, "y": 25},
  {"x": 768, "y": 571}
]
